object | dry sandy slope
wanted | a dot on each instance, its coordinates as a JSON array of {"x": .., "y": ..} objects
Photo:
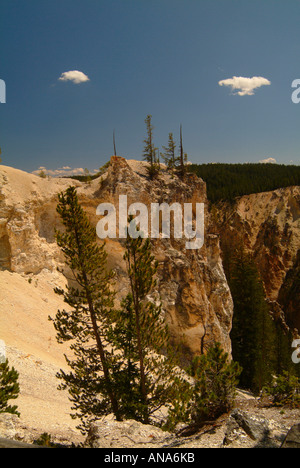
[
  {"x": 32, "y": 349},
  {"x": 20, "y": 186}
]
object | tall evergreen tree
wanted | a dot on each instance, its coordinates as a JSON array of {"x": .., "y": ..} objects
[
  {"x": 90, "y": 383},
  {"x": 150, "y": 150},
  {"x": 181, "y": 167},
  {"x": 122, "y": 336},
  {"x": 114, "y": 142},
  {"x": 169, "y": 156},
  {"x": 257, "y": 340},
  {"x": 150, "y": 360}
]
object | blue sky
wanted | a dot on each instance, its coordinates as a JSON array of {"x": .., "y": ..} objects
[{"x": 159, "y": 57}]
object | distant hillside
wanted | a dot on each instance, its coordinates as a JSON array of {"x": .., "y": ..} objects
[{"x": 228, "y": 181}]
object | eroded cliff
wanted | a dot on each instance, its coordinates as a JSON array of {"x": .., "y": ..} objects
[
  {"x": 267, "y": 225},
  {"x": 192, "y": 286}
]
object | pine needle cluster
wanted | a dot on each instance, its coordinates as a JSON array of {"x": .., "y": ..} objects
[{"x": 9, "y": 388}]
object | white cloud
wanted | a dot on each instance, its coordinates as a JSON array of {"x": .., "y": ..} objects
[
  {"x": 61, "y": 172},
  {"x": 75, "y": 76},
  {"x": 268, "y": 161},
  {"x": 246, "y": 86}
]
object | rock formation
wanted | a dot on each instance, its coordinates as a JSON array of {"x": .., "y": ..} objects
[
  {"x": 109, "y": 433},
  {"x": 251, "y": 428},
  {"x": 292, "y": 439},
  {"x": 268, "y": 226},
  {"x": 191, "y": 283}
]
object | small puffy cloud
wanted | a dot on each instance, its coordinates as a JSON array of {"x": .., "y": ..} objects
[
  {"x": 268, "y": 161},
  {"x": 65, "y": 171},
  {"x": 75, "y": 76},
  {"x": 245, "y": 86}
]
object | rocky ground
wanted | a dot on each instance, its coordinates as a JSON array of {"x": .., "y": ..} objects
[
  {"x": 251, "y": 427},
  {"x": 44, "y": 409}
]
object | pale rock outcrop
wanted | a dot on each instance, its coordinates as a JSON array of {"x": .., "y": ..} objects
[
  {"x": 27, "y": 221},
  {"x": 268, "y": 226},
  {"x": 109, "y": 433},
  {"x": 274, "y": 234},
  {"x": 196, "y": 300}
]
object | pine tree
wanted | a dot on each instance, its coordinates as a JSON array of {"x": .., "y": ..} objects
[
  {"x": 150, "y": 150},
  {"x": 169, "y": 156},
  {"x": 9, "y": 388},
  {"x": 153, "y": 380},
  {"x": 87, "y": 176},
  {"x": 89, "y": 295},
  {"x": 182, "y": 159},
  {"x": 114, "y": 143},
  {"x": 122, "y": 337},
  {"x": 253, "y": 332}
]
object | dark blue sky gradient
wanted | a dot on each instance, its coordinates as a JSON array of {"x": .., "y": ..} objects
[{"x": 159, "y": 57}]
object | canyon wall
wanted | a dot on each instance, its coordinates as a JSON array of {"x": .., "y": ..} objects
[
  {"x": 267, "y": 225},
  {"x": 192, "y": 286}
]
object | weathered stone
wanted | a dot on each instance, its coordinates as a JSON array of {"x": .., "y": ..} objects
[
  {"x": 7, "y": 443},
  {"x": 255, "y": 428},
  {"x": 109, "y": 433},
  {"x": 242, "y": 426},
  {"x": 8, "y": 425},
  {"x": 292, "y": 439}
]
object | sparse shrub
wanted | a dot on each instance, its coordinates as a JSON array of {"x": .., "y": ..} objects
[
  {"x": 216, "y": 378},
  {"x": 42, "y": 174},
  {"x": 103, "y": 169},
  {"x": 284, "y": 390},
  {"x": 44, "y": 440}
]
